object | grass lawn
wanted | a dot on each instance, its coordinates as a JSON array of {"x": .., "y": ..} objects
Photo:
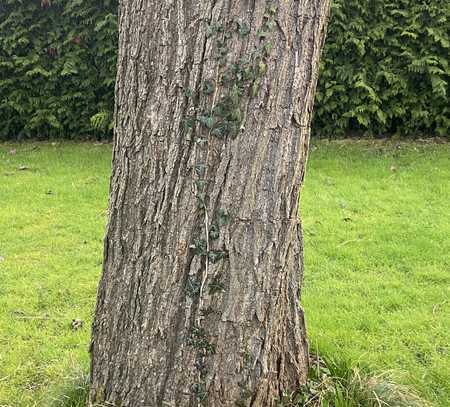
[{"x": 377, "y": 284}]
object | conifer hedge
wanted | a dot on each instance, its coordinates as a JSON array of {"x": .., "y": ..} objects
[
  {"x": 384, "y": 68},
  {"x": 57, "y": 67}
]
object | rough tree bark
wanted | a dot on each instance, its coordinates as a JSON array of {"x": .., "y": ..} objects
[{"x": 198, "y": 303}]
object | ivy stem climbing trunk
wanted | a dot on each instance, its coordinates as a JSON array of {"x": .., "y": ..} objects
[{"x": 198, "y": 303}]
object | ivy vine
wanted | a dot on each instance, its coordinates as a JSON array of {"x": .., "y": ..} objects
[{"x": 234, "y": 81}]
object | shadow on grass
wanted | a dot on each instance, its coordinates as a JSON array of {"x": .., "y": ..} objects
[{"x": 331, "y": 383}]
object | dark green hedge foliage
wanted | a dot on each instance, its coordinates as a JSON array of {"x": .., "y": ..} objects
[
  {"x": 384, "y": 68},
  {"x": 57, "y": 67}
]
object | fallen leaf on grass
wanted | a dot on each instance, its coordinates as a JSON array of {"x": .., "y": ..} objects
[
  {"x": 77, "y": 324},
  {"x": 23, "y": 168},
  {"x": 2, "y": 258},
  {"x": 437, "y": 307}
]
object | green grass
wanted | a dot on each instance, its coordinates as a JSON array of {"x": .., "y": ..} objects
[
  {"x": 377, "y": 229},
  {"x": 52, "y": 249}
]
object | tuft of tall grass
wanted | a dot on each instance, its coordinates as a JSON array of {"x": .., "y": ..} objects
[
  {"x": 73, "y": 392},
  {"x": 336, "y": 383}
]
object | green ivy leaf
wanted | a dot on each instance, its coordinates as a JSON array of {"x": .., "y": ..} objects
[{"x": 207, "y": 121}]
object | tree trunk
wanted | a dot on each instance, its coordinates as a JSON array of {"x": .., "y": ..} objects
[{"x": 198, "y": 303}]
